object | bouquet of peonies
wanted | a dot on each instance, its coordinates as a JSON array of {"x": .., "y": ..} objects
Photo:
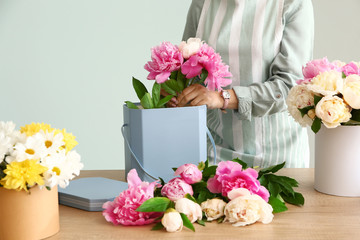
[
  {"x": 176, "y": 67},
  {"x": 36, "y": 155},
  {"x": 228, "y": 192},
  {"x": 328, "y": 94}
]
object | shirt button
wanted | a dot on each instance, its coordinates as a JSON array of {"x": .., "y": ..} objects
[{"x": 278, "y": 96}]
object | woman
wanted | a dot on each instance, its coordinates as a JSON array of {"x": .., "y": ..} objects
[{"x": 265, "y": 43}]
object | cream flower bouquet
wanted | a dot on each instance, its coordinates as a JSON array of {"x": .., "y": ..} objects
[
  {"x": 329, "y": 94},
  {"x": 36, "y": 155}
]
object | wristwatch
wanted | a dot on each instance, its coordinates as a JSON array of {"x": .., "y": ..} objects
[{"x": 226, "y": 95}]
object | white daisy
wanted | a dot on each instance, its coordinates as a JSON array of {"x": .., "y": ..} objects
[
  {"x": 8, "y": 138},
  {"x": 33, "y": 148},
  {"x": 51, "y": 141},
  {"x": 5, "y": 145}
]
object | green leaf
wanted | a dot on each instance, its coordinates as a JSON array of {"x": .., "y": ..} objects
[
  {"x": 221, "y": 219},
  {"x": 274, "y": 188},
  {"x": 297, "y": 199},
  {"x": 131, "y": 105},
  {"x": 316, "y": 125},
  {"x": 242, "y": 163},
  {"x": 277, "y": 205},
  {"x": 209, "y": 171},
  {"x": 156, "y": 93},
  {"x": 156, "y": 204},
  {"x": 201, "y": 222},
  {"x": 164, "y": 100},
  {"x": 180, "y": 80},
  {"x": 139, "y": 87},
  {"x": 188, "y": 196},
  {"x": 173, "y": 84},
  {"x": 157, "y": 226},
  {"x": 168, "y": 89},
  {"x": 174, "y": 169},
  {"x": 204, "y": 74},
  {"x": 283, "y": 183},
  {"x": 263, "y": 181},
  {"x": 146, "y": 101},
  {"x": 173, "y": 75},
  {"x": 305, "y": 110},
  {"x": 317, "y": 99},
  {"x": 204, "y": 195},
  {"x": 187, "y": 222},
  {"x": 271, "y": 169},
  {"x": 197, "y": 187},
  {"x": 343, "y": 75}
]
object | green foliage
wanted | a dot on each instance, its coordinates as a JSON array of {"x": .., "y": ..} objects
[
  {"x": 242, "y": 163},
  {"x": 157, "y": 226},
  {"x": 147, "y": 100},
  {"x": 187, "y": 222},
  {"x": 280, "y": 188},
  {"x": 156, "y": 204},
  {"x": 305, "y": 110},
  {"x": 316, "y": 125},
  {"x": 355, "y": 115}
]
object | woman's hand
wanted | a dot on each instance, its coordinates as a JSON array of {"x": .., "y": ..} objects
[
  {"x": 196, "y": 95},
  {"x": 173, "y": 101}
]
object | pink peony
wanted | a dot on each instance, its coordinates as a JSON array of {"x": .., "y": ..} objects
[
  {"x": 176, "y": 188},
  {"x": 229, "y": 175},
  {"x": 166, "y": 58},
  {"x": 189, "y": 173},
  {"x": 314, "y": 68},
  {"x": 350, "y": 68},
  {"x": 218, "y": 72},
  {"x": 123, "y": 209}
]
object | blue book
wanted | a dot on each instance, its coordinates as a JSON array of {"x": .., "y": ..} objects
[{"x": 90, "y": 193}]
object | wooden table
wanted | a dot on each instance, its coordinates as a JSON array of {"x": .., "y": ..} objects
[{"x": 322, "y": 217}]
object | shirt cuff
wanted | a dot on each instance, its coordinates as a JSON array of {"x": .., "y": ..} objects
[{"x": 243, "y": 95}]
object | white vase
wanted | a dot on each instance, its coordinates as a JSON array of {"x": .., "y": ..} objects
[{"x": 337, "y": 161}]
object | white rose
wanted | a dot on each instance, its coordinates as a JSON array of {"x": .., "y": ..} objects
[
  {"x": 213, "y": 208},
  {"x": 332, "y": 110},
  {"x": 351, "y": 91},
  {"x": 327, "y": 83},
  {"x": 191, "y": 209},
  {"x": 172, "y": 221},
  {"x": 248, "y": 209},
  {"x": 190, "y": 47},
  {"x": 299, "y": 97}
]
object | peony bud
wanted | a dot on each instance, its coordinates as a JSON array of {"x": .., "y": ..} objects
[
  {"x": 176, "y": 188},
  {"x": 190, "y": 208},
  {"x": 189, "y": 173},
  {"x": 172, "y": 221},
  {"x": 213, "y": 208}
]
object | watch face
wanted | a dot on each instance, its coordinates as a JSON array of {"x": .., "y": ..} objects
[{"x": 226, "y": 94}]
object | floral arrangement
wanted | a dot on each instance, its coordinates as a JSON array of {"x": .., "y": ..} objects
[
  {"x": 328, "y": 94},
  {"x": 36, "y": 155},
  {"x": 228, "y": 192},
  {"x": 176, "y": 67}
]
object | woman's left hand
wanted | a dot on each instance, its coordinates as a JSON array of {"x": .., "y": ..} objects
[{"x": 196, "y": 95}]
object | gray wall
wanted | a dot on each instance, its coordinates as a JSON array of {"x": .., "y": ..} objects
[{"x": 70, "y": 62}]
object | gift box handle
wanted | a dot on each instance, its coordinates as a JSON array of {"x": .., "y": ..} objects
[{"x": 138, "y": 161}]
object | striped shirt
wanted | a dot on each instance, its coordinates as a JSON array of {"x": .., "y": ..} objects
[{"x": 265, "y": 43}]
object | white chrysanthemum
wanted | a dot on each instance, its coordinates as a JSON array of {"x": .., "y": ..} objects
[
  {"x": 8, "y": 138},
  {"x": 327, "y": 83},
  {"x": 51, "y": 141},
  {"x": 62, "y": 168},
  {"x": 33, "y": 148},
  {"x": 299, "y": 97}
]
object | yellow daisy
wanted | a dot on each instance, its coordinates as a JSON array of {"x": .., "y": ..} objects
[
  {"x": 21, "y": 175},
  {"x": 68, "y": 139}
]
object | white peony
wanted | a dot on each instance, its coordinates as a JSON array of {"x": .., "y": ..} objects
[
  {"x": 247, "y": 209},
  {"x": 172, "y": 221},
  {"x": 332, "y": 110},
  {"x": 190, "y": 47},
  {"x": 327, "y": 83},
  {"x": 191, "y": 209},
  {"x": 299, "y": 97},
  {"x": 213, "y": 208},
  {"x": 351, "y": 91}
]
